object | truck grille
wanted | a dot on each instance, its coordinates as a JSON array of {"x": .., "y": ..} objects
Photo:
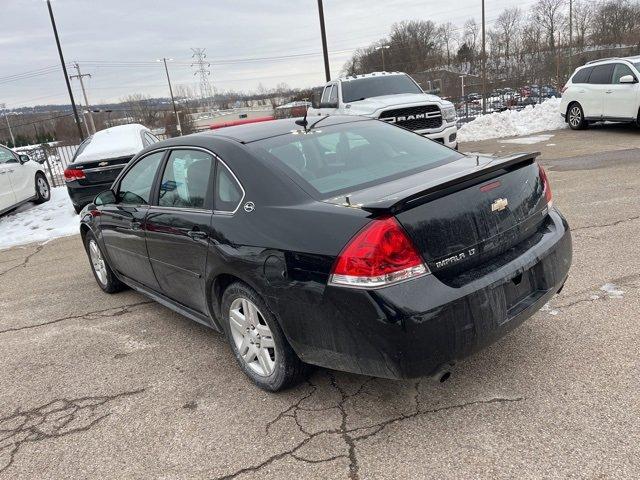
[{"x": 414, "y": 118}]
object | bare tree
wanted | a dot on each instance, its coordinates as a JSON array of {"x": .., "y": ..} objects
[
  {"x": 142, "y": 110},
  {"x": 550, "y": 16},
  {"x": 508, "y": 25},
  {"x": 582, "y": 17},
  {"x": 450, "y": 38}
]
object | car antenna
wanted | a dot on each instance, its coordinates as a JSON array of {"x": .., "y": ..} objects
[{"x": 303, "y": 123}]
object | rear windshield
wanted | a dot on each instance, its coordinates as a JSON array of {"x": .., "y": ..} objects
[
  {"x": 348, "y": 157},
  {"x": 362, "y": 88}
]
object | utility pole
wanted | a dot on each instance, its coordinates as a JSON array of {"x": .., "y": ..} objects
[
  {"x": 484, "y": 63},
  {"x": 79, "y": 76},
  {"x": 4, "y": 109},
  {"x": 173, "y": 101},
  {"x": 206, "y": 92},
  {"x": 64, "y": 69},
  {"x": 323, "y": 33}
]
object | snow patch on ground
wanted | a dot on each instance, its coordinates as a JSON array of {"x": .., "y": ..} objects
[
  {"x": 529, "y": 140},
  {"x": 31, "y": 223},
  {"x": 612, "y": 290},
  {"x": 512, "y": 123},
  {"x": 551, "y": 311}
]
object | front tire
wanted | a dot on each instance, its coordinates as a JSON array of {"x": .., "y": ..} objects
[
  {"x": 575, "y": 117},
  {"x": 102, "y": 272},
  {"x": 261, "y": 349},
  {"x": 43, "y": 190}
]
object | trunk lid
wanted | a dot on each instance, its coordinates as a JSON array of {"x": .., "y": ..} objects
[
  {"x": 465, "y": 213},
  {"x": 100, "y": 171}
]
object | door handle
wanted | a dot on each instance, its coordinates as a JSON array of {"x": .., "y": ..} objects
[
  {"x": 609, "y": 91},
  {"x": 197, "y": 234},
  {"x": 3, "y": 173},
  {"x": 136, "y": 225}
]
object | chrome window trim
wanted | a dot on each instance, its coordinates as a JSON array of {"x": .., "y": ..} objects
[
  {"x": 180, "y": 209},
  {"x": 229, "y": 212}
]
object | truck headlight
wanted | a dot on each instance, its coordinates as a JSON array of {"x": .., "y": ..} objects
[{"x": 449, "y": 114}]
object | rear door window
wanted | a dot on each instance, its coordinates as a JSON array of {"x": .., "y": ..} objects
[
  {"x": 135, "y": 186},
  {"x": 185, "y": 180},
  {"x": 601, "y": 74}
]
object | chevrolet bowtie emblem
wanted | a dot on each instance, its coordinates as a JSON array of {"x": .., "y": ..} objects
[
  {"x": 103, "y": 164},
  {"x": 499, "y": 204}
]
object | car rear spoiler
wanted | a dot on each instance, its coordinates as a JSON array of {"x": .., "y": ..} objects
[{"x": 426, "y": 192}]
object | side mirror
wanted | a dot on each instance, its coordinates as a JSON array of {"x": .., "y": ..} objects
[
  {"x": 315, "y": 97},
  {"x": 24, "y": 158},
  {"x": 628, "y": 79},
  {"x": 329, "y": 105},
  {"x": 104, "y": 198}
]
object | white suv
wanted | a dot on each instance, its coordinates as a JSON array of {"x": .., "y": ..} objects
[
  {"x": 606, "y": 89},
  {"x": 21, "y": 180}
]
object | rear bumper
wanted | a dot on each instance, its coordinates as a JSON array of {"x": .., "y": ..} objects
[
  {"x": 415, "y": 328},
  {"x": 82, "y": 195}
]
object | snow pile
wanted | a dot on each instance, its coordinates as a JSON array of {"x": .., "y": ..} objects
[
  {"x": 113, "y": 142},
  {"x": 511, "y": 123},
  {"x": 39, "y": 223}
]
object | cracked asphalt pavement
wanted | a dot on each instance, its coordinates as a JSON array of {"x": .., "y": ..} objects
[{"x": 116, "y": 386}]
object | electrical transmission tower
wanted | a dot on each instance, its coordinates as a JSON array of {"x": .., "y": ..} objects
[{"x": 202, "y": 70}]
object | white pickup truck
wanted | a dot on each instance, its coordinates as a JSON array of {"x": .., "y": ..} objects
[{"x": 390, "y": 96}]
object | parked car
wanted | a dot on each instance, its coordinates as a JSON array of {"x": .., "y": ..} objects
[
  {"x": 394, "y": 97},
  {"x": 342, "y": 242},
  {"x": 21, "y": 181},
  {"x": 100, "y": 158},
  {"x": 605, "y": 89}
]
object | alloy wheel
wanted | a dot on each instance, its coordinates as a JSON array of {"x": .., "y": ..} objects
[
  {"x": 43, "y": 188},
  {"x": 252, "y": 337},
  {"x": 97, "y": 261},
  {"x": 575, "y": 116}
]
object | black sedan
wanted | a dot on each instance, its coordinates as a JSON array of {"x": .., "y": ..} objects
[{"x": 347, "y": 243}]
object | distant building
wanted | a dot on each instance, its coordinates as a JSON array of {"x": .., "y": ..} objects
[{"x": 446, "y": 82}]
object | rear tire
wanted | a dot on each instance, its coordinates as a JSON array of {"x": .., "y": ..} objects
[
  {"x": 102, "y": 272},
  {"x": 43, "y": 190},
  {"x": 575, "y": 117},
  {"x": 256, "y": 339}
]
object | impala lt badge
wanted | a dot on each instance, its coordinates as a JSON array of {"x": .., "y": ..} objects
[{"x": 499, "y": 204}]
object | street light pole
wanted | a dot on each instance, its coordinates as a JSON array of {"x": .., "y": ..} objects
[
  {"x": 484, "y": 63},
  {"x": 173, "y": 101},
  {"x": 323, "y": 33},
  {"x": 382, "y": 48},
  {"x": 64, "y": 69}
]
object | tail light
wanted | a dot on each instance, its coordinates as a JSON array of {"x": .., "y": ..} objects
[
  {"x": 379, "y": 255},
  {"x": 546, "y": 186},
  {"x": 564, "y": 89},
  {"x": 71, "y": 174}
]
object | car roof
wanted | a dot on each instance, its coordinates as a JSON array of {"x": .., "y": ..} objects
[
  {"x": 259, "y": 131},
  {"x": 604, "y": 61}
]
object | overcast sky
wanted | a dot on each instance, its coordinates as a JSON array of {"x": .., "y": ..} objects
[{"x": 102, "y": 35}]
